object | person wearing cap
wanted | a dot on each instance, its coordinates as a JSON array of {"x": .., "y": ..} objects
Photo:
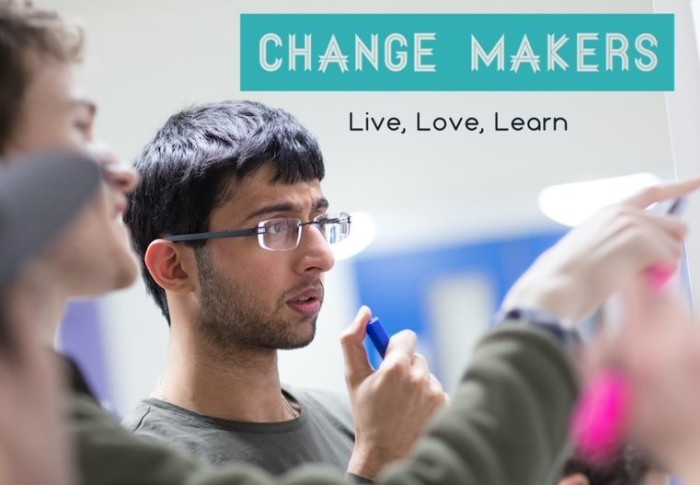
[
  {"x": 482, "y": 438},
  {"x": 39, "y": 199}
]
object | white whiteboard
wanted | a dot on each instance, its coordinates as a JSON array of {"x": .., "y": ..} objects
[{"x": 683, "y": 106}]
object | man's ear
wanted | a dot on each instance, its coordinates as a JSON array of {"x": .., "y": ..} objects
[
  {"x": 575, "y": 479},
  {"x": 171, "y": 265}
]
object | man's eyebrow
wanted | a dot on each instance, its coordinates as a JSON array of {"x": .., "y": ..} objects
[{"x": 320, "y": 204}]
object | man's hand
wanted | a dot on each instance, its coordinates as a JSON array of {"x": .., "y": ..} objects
[
  {"x": 595, "y": 259},
  {"x": 391, "y": 405}
]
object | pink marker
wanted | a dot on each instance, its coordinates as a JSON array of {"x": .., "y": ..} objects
[
  {"x": 659, "y": 276},
  {"x": 599, "y": 420}
]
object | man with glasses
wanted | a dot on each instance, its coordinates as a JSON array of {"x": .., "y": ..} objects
[{"x": 234, "y": 232}]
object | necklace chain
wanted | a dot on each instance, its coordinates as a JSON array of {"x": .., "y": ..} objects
[{"x": 287, "y": 405}]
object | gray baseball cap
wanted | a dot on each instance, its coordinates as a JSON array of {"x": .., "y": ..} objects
[{"x": 39, "y": 195}]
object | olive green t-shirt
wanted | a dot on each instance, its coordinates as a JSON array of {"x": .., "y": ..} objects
[{"x": 323, "y": 433}]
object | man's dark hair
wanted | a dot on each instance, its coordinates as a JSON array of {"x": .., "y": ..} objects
[
  {"x": 629, "y": 467},
  {"x": 186, "y": 168},
  {"x": 29, "y": 36}
]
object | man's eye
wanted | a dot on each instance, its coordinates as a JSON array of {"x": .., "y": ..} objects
[
  {"x": 83, "y": 126},
  {"x": 277, "y": 227}
]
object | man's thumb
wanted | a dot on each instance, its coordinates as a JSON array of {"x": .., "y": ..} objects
[{"x": 357, "y": 366}]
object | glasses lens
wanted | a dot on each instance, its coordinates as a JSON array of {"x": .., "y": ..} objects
[
  {"x": 335, "y": 227},
  {"x": 284, "y": 234},
  {"x": 280, "y": 234}
]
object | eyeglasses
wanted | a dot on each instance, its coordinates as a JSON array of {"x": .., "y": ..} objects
[{"x": 282, "y": 234}]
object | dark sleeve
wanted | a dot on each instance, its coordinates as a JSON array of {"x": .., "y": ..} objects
[
  {"x": 507, "y": 425},
  {"x": 77, "y": 382},
  {"x": 352, "y": 478}
]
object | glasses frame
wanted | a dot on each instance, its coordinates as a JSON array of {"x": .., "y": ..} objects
[{"x": 259, "y": 230}]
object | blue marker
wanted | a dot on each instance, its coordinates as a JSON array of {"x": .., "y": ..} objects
[
  {"x": 378, "y": 335},
  {"x": 674, "y": 207},
  {"x": 678, "y": 206}
]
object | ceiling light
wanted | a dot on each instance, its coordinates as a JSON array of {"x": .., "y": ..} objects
[
  {"x": 363, "y": 230},
  {"x": 572, "y": 203}
]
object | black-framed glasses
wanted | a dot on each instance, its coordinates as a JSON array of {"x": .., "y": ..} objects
[{"x": 281, "y": 234}]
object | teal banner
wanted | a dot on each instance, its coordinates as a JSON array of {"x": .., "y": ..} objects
[{"x": 457, "y": 52}]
